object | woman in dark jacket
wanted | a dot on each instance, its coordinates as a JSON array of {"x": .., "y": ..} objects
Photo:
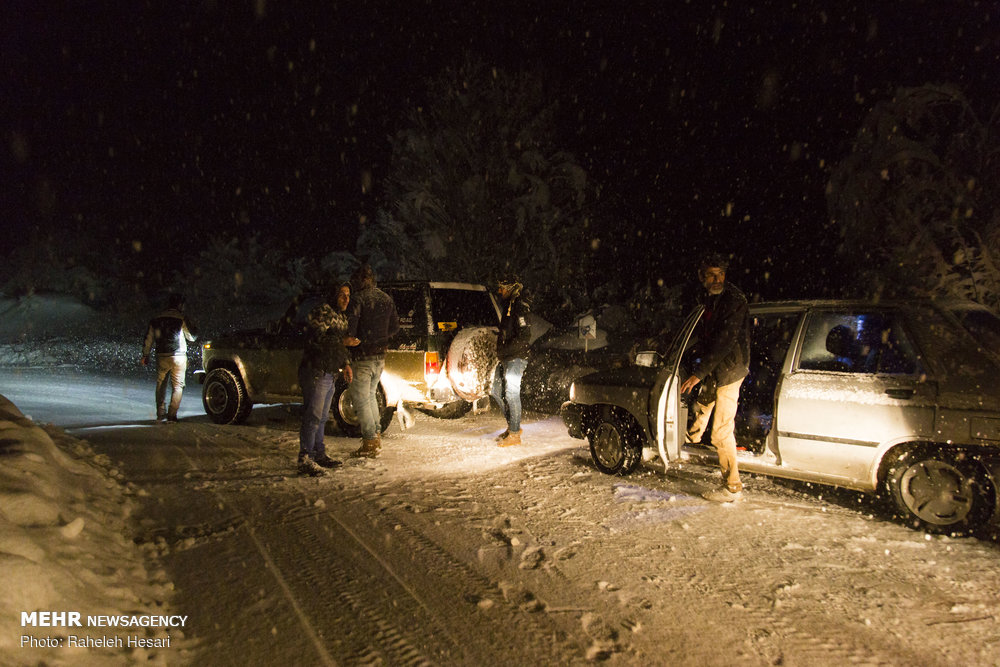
[{"x": 323, "y": 358}]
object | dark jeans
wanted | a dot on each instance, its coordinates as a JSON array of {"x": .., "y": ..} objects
[
  {"x": 317, "y": 394},
  {"x": 506, "y": 391}
]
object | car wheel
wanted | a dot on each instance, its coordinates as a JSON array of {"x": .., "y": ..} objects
[
  {"x": 615, "y": 445},
  {"x": 940, "y": 492},
  {"x": 225, "y": 398},
  {"x": 343, "y": 411}
]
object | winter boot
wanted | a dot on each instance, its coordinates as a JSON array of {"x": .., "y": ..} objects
[
  {"x": 324, "y": 461},
  {"x": 310, "y": 468},
  {"x": 513, "y": 438},
  {"x": 503, "y": 436},
  {"x": 370, "y": 448}
]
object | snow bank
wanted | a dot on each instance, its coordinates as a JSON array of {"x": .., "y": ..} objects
[{"x": 64, "y": 548}]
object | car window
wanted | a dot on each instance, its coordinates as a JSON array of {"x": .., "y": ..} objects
[
  {"x": 770, "y": 337},
  {"x": 983, "y": 325},
  {"x": 305, "y": 307},
  {"x": 411, "y": 308},
  {"x": 294, "y": 319},
  {"x": 857, "y": 342},
  {"x": 460, "y": 308}
]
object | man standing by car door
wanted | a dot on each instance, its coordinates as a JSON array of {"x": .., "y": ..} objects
[
  {"x": 512, "y": 351},
  {"x": 724, "y": 343},
  {"x": 373, "y": 320}
]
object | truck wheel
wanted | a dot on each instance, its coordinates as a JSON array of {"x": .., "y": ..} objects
[
  {"x": 343, "y": 412},
  {"x": 615, "y": 446},
  {"x": 940, "y": 492},
  {"x": 225, "y": 398}
]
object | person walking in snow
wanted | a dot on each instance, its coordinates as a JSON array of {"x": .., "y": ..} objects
[
  {"x": 169, "y": 333},
  {"x": 512, "y": 352},
  {"x": 373, "y": 321},
  {"x": 324, "y": 356},
  {"x": 724, "y": 342}
]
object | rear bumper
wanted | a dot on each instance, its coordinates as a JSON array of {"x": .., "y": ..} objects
[{"x": 572, "y": 416}]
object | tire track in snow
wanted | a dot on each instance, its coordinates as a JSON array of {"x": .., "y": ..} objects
[
  {"x": 404, "y": 536},
  {"x": 307, "y": 627},
  {"x": 340, "y": 575},
  {"x": 356, "y": 578}
]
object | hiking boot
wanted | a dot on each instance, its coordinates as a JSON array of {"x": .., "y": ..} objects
[
  {"x": 324, "y": 461},
  {"x": 513, "y": 438},
  {"x": 369, "y": 449},
  {"x": 310, "y": 468},
  {"x": 723, "y": 495}
]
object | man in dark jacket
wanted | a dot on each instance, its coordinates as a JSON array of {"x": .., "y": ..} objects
[
  {"x": 169, "y": 332},
  {"x": 724, "y": 343},
  {"x": 512, "y": 351},
  {"x": 373, "y": 320},
  {"x": 324, "y": 357}
]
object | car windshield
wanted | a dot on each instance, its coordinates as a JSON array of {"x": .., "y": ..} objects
[{"x": 464, "y": 307}]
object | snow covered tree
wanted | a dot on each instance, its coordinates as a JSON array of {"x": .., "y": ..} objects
[
  {"x": 393, "y": 253},
  {"x": 54, "y": 264},
  {"x": 478, "y": 182},
  {"x": 235, "y": 280},
  {"x": 917, "y": 201}
]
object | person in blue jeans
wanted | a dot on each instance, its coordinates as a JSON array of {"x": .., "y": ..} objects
[
  {"x": 513, "y": 341},
  {"x": 323, "y": 358},
  {"x": 373, "y": 322}
]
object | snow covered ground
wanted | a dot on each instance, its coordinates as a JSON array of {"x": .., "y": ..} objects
[
  {"x": 446, "y": 550},
  {"x": 64, "y": 516}
]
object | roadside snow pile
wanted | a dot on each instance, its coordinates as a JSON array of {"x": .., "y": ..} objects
[{"x": 63, "y": 548}]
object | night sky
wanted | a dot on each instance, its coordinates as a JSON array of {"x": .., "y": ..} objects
[{"x": 147, "y": 127}]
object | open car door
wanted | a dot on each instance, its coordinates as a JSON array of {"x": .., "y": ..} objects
[{"x": 670, "y": 423}]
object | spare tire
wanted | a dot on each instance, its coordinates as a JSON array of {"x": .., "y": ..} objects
[{"x": 472, "y": 356}]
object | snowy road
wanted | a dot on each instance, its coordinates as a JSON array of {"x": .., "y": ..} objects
[{"x": 448, "y": 550}]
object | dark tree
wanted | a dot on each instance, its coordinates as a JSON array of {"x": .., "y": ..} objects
[
  {"x": 480, "y": 185},
  {"x": 917, "y": 201}
]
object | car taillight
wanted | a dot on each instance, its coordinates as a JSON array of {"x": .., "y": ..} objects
[{"x": 432, "y": 367}]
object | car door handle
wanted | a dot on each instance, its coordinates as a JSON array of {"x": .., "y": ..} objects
[{"x": 899, "y": 393}]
